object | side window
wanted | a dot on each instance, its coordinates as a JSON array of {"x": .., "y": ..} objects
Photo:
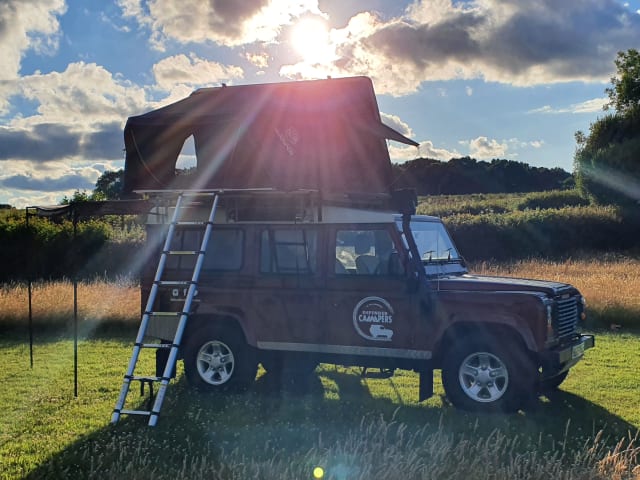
[
  {"x": 224, "y": 252},
  {"x": 288, "y": 251},
  {"x": 366, "y": 252}
]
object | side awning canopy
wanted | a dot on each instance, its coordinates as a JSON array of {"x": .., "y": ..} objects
[
  {"x": 324, "y": 135},
  {"x": 90, "y": 209}
]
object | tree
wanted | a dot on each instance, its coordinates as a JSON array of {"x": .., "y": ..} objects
[
  {"x": 624, "y": 94},
  {"x": 109, "y": 185},
  {"x": 77, "y": 197},
  {"x": 607, "y": 160}
]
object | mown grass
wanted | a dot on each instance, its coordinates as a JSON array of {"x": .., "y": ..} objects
[{"x": 352, "y": 427}]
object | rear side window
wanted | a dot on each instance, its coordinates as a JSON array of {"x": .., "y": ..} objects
[
  {"x": 288, "y": 251},
  {"x": 224, "y": 251}
]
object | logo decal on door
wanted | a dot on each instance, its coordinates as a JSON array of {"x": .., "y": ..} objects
[{"x": 372, "y": 318}]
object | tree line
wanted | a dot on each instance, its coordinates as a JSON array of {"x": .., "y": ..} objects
[{"x": 465, "y": 175}]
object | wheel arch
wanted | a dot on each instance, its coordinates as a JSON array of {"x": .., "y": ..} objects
[
  {"x": 229, "y": 319},
  {"x": 483, "y": 332}
]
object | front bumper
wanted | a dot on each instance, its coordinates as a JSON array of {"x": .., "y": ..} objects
[{"x": 562, "y": 358}]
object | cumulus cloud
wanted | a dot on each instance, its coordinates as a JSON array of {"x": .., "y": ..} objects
[
  {"x": 192, "y": 70},
  {"x": 426, "y": 150},
  {"x": 260, "y": 60},
  {"x": 220, "y": 21},
  {"x": 81, "y": 95},
  {"x": 25, "y": 26},
  {"x": 397, "y": 124},
  {"x": 516, "y": 42},
  {"x": 484, "y": 148}
]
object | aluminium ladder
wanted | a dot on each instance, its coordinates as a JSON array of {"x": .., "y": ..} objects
[{"x": 158, "y": 282}]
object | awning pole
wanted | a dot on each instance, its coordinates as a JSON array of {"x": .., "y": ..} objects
[
  {"x": 75, "y": 308},
  {"x": 29, "y": 274}
]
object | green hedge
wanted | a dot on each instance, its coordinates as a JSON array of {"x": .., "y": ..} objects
[
  {"x": 47, "y": 249},
  {"x": 542, "y": 233}
]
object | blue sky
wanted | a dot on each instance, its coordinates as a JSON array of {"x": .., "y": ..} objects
[{"x": 487, "y": 78}]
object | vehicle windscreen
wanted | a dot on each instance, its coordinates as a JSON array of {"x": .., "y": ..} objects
[{"x": 435, "y": 247}]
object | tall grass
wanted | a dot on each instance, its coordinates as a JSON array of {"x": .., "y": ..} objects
[
  {"x": 99, "y": 301},
  {"x": 610, "y": 284}
]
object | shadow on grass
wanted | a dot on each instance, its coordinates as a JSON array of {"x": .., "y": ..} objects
[{"x": 279, "y": 419}]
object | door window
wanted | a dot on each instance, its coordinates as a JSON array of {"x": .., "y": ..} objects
[
  {"x": 366, "y": 252},
  {"x": 224, "y": 251}
]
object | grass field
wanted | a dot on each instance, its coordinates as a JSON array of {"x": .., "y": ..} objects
[{"x": 351, "y": 427}]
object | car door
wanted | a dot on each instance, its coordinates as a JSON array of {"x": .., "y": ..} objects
[
  {"x": 370, "y": 308},
  {"x": 285, "y": 297}
]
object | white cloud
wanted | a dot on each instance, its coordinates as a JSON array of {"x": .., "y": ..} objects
[
  {"x": 508, "y": 41},
  {"x": 588, "y": 106},
  {"x": 229, "y": 23},
  {"x": 260, "y": 60},
  {"x": 193, "y": 71},
  {"x": 25, "y": 26},
  {"x": 425, "y": 150},
  {"x": 483, "y": 148},
  {"x": 397, "y": 124}
]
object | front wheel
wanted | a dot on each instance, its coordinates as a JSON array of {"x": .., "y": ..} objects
[
  {"x": 483, "y": 377},
  {"x": 217, "y": 358}
]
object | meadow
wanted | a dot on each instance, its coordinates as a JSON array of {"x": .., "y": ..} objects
[
  {"x": 348, "y": 425},
  {"x": 337, "y": 424}
]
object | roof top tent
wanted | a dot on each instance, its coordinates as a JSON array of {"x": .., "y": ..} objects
[{"x": 323, "y": 135}]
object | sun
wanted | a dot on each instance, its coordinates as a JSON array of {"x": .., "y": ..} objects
[{"x": 310, "y": 38}]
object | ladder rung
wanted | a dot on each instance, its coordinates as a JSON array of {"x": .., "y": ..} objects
[
  {"x": 185, "y": 223},
  {"x": 135, "y": 412},
  {"x": 145, "y": 379},
  {"x": 163, "y": 314},
  {"x": 198, "y": 194},
  {"x": 155, "y": 345},
  {"x": 173, "y": 283},
  {"x": 183, "y": 252}
]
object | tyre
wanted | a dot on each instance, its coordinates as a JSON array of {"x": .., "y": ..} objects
[
  {"x": 484, "y": 377},
  {"x": 551, "y": 384},
  {"x": 217, "y": 358}
]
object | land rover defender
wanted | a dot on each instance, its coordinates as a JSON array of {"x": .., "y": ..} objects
[{"x": 337, "y": 283}]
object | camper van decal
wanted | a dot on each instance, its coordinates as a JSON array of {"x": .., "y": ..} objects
[{"x": 372, "y": 319}]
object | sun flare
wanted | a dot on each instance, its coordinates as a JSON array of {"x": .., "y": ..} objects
[{"x": 310, "y": 38}]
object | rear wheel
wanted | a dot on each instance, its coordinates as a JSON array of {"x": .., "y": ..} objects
[
  {"x": 483, "y": 377},
  {"x": 217, "y": 358}
]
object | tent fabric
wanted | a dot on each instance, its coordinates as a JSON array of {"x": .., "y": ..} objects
[
  {"x": 91, "y": 209},
  {"x": 323, "y": 134}
]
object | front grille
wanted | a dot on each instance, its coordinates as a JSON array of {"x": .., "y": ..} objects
[{"x": 566, "y": 318}]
